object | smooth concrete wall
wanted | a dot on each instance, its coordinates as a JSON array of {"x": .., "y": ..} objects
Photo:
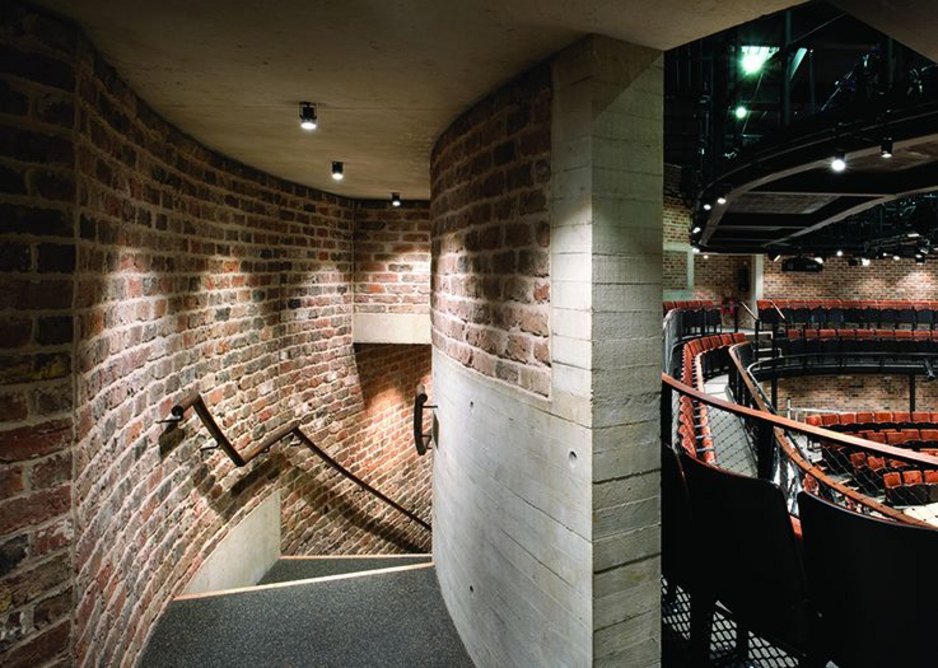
[
  {"x": 245, "y": 553},
  {"x": 511, "y": 495}
]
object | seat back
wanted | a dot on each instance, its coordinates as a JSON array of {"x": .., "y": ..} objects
[
  {"x": 753, "y": 562},
  {"x": 865, "y": 623}
]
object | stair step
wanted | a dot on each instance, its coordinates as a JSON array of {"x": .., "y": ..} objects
[
  {"x": 390, "y": 619},
  {"x": 288, "y": 569}
]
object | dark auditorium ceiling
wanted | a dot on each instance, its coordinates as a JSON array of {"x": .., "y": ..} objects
[
  {"x": 760, "y": 149},
  {"x": 389, "y": 75}
]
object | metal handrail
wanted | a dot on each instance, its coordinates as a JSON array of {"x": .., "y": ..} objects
[
  {"x": 783, "y": 425},
  {"x": 195, "y": 401}
]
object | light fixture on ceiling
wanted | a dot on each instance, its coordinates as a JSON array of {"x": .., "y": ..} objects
[
  {"x": 885, "y": 149},
  {"x": 839, "y": 162},
  {"x": 308, "y": 119},
  {"x": 338, "y": 170},
  {"x": 839, "y": 253},
  {"x": 741, "y": 111},
  {"x": 754, "y": 58},
  {"x": 395, "y": 199}
]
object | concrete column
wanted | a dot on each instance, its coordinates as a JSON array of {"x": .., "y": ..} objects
[
  {"x": 608, "y": 179},
  {"x": 546, "y": 509}
]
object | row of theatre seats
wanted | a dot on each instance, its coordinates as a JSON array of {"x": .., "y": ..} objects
[
  {"x": 837, "y": 313},
  {"x": 833, "y": 341},
  {"x": 815, "y": 595},
  {"x": 898, "y": 481},
  {"x": 703, "y": 358},
  {"x": 688, "y": 305}
]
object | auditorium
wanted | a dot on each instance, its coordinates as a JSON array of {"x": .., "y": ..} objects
[{"x": 468, "y": 333}]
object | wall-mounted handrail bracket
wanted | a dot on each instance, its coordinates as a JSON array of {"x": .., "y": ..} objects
[
  {"x": 176, "y": 414},
  {"x": 421, "y": 440}
]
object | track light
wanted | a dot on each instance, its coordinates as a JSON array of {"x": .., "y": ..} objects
[
  {"x": 308, "y": 116},
  {"x": 338, "y": 170},
  {"x": 885, "y": 149},
  {"x": 839, "y": 253},
  {"x": 741, "y": 112},
  {"x": 721, "y": 200},
  {"x": 865, "y": 261},
  {"x": 839, "y": 162},
  {"x": 395, "y": 199}
]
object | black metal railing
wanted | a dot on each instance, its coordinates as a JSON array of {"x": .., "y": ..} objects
[{"x": 240, "y": 458}]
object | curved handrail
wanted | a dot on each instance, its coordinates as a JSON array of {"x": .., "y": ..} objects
[
  {"x": 781, "y": 424},
  {"x": 195, "y": 401}
]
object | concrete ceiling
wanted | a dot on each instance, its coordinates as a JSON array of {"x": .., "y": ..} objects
[
  {"x": 911, "y": 22},
  {"x": 388, "y": 75}
]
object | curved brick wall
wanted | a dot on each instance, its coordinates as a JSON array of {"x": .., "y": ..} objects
[
  {"x": 490, "y": 184},
  {"x": 137, "y": 265}
]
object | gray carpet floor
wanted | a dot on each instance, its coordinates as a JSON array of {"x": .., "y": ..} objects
[
  {"x": 387, "y": 620},
  {"x": 287, "y": 570}
]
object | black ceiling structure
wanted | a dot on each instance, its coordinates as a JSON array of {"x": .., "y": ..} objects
[{"x": 757, "y": 146}]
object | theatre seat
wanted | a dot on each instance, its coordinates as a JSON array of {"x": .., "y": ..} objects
[
  {"x": 751, "y": 556},
  {"x": 862, "y": 624}
]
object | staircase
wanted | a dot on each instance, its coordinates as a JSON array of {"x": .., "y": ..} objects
[{"x": 384, "y": 610}]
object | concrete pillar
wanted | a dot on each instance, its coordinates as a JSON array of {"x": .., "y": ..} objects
[
  {"x": 607, "y": 210},
  {"x": 546, "y": 527}
]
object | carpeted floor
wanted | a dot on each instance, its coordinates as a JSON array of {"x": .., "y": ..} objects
[{"x": 387, "y": 620}]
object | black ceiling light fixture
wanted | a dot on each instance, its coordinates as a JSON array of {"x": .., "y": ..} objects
[
  {"x": 338, "y": 170},
  {"x": 308, "y": 119},
  {"x": 395, "y": 199}
]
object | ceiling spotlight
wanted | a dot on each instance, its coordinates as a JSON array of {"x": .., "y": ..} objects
[
  {"x": 839, "y": 253},
  {"x": 754, "y": 58},
  {"x": 307, "y": 116},
  {"x": 338, "y": 170},
  {"x": 885, "y": 149},
  {"x": 395, "y": 199},
  {"x": 696, "y": 229},
  {"x": 865, "y": 261},
  {"x": 839, "y": 162},
  {"x": 707, "y": 206},
  {"x": 721, "y": 200},
  {"x": 741, "y": 112}
]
